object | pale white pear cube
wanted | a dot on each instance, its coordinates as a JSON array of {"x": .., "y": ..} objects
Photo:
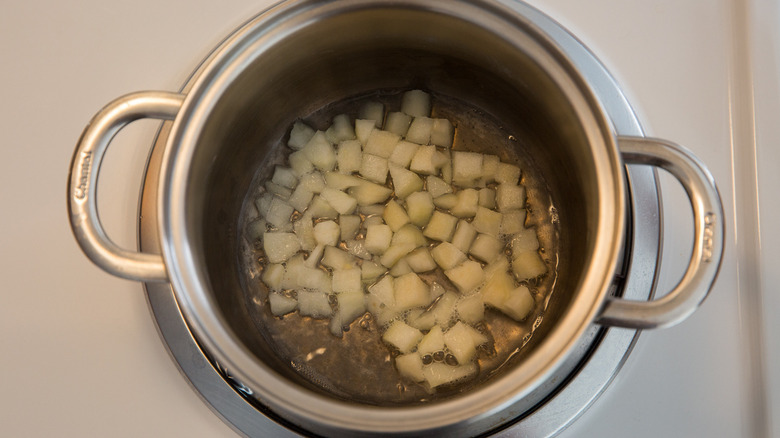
[
  {"x": 416, "y": 103},
  {"x": 358, "y": 249},
  {"x": 437, "y": 186},
  {"x": 397, "y": 123},
  {"x": 363, "y": 129},
  {"x": 466, "y": 168},
  {"x": 300, "y": 134},
  {"x": 263, "y": 203},
  {"x": 381, "y": 143},
  {"x": 513, "y": 221},
  {"x": 381, "y": 295},
  {"x": 444, "y": 309},
  {"x": 373, "y": 220},
  {"x": 370, "y": 271},
  {"x": 432, "y": 342},
  {"x": 374, "y": 168},
  {"x": 341, "y": 129},
  {"x": 372, "y": 210},
  {"x": 327, "y": 233},
  {"x": 527, "y": 265},
  {"x": 255, "y": 229},
  {"x": 518, "y": 304},
  {"x": 347, "y": 280},
  {"x": 464, "y": 236},
  {"x": 524, "y": 240},
  {"x": 294, "y": 270},
  {"x": 301, "y": 198},
  {"x": 467, "y": 276},
  {"x": 272, "y": 276},
  {"x": 299, "y": 163},
  {"x": 315, "y": 256},
  {"x": 442, "y": 133},
  {"x": 507, "y": 174},
  {"x": 402, "y": 336},
  {"x": 438, "y": 374},
  {"x": 372, "y": 111},
  {"x": 403, "y": 153},
  {"x": 349, "y": 155},
  {"x": 497, "y": 289},
  {"x": 304, "y": 230},
  {"x": 419, "y": 207},
  {"x": 405, "y": 182},
  {"x": 409, "y": 235},
  {"x": 446, "y": 201},
  {"x": 285, "y": 177},
  {"x": 420, "y": 130},
  {"x": 314, "y": 304},
  {"x": 321, "y": 209},
  {"x": 499, "y": 264},
  {"x": 369, "y": 193},
  {"x": 314, "y": 182},
  {"x": 420, "y": 260},
  {"x": 281, "y": 304},
  {"x": 350, "y": 225},
  {"x": 467, "y": 203},
  {"x": 486, "y": 247},
  {"x": 320, "y": 152},
  {"x": 395, "y": 253},
  {"x": 460, "y": 342},
  {"x": 351, "y": 306},
  {"x": 487, "y": 221},
  {"x": 275, "y": 189},
  {"x": 340, "y": 181},
  {"x": 400, "y": 268},
  {"x": 340, "y": 201},
  {"x": 422, "y": 320},
  {"x": 510, "y": 197},
  {"x": 427, "y": 160},
  {"x": 279, "y": 213},
  {"x": 447, "y": 256},
  {"x": 410, "y": 291},
  {"x": 489, "y": 168},
  {"x": 440, "y": 227},
  {"x": 378, "y": 238},
  {"x": 395, "y": 216},
  {"x": 471, "y": 308},
  {"x": 487, "y": 198},
  {"x": 410, "y": 366},
  {"x": 314, "y": 279}
]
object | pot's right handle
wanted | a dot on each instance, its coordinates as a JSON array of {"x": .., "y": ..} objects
[
  {"x": 82, "y": 203},
  {"x": 709, "y": 230}
]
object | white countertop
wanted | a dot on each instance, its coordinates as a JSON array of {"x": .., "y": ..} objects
[{"x": 80, "y": 352}]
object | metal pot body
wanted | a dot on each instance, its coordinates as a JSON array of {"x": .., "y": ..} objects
[{"x": 304, "y": 55}]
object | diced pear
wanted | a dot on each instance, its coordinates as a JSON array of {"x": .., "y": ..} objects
[
  {"x": 373, "y": 220},
  {"x": 486, "y": 247},
  {"x": 518, "y": 303},
  {"x": 510, "y": 197},
  {"x": 381, "y": 295},
  {"x": 304, "y": 229},
  {"x": 432, "y": 342},
  {"x": 279, "y": 247},
  {"x": 398, "y": 123},
  {"x": 374, "y": 168},
  {"x": 320, "y": 152},
  {"x": 467, "y": 276},
  {"x": 369, "y": 193},
  {"x": 466, "y": 168},
  {"x": 400, "y": 268},
  {"x": 351, "y": 305},
  {"x": 409, "y": 235},
  {"x": 422, "y": 320},
  {"x": 442, "y": 133},
  {"x": 419, "y": 207},
  {"x": 487, "y": 198},
  {"x": 314, "y": 182},
  {"x": 436, "y": 186},
  {"x": 496, "y": 290},
  {"x": 440, "y": 227},
  {"x": 446, "y": 201},
  {"x": 370, "y": 271},
  {"x": 314, "y": 279},
  {"x": 471, "y": 308},
  {"x": 395, "y": 216},
  {"x": 420, "y": 260},
  {"x": 527, "y": 265},
  {"x": 447, "y": 256},
  {"x": 358, "y": 249},
  {"x": 410, "y": 291},
  {"x": 294, "y": 269},
  {"x": 404, "y": 181},
  {"x": 437, "y": 373},
  {"x": 487, "y": 221},
  {"x": 403, "y": 153},
  {"x": 372, "y": 111},
  {"x": 321, "y": 209},
  {"x": 341, "y": 129},
  {"x": 410, "y": 366},
  {"x": 464, "y": 236},
  {"x": 381, "y": 143},
  {"x": 314, "y": 304},
  {"x": 285, "y": 177},
  {"x": 349, "y": 156},
  {"x": 363, "y": 129},
  {"x": 507, "y": 174},
  {"x": 315, "y": 256},
  {"x": 280, "y": 191},
  {"x": 490, "y": 167},
  {"x": 272, "y": 276},
  {"x": 327, "y": 233},
  {"x": 467, "y": 203},
  {"x": 350, "y": 224},
  {"x": 300, "y": 134},
  {"x": 513, "y": 221},
  {"x": 347, "y": 280},
  {"x": 402, "y": 336},
  {"x": 263, "y": 203},
  {"x": 378, "y": 238},
  {"x": 395, "y": 253},
  {"x": 416, "y": 103},
  {"x": 299, "y": 163},
  {"x": 372, "y": 210},
  {"x": 281, "y": 304},
  {"x": 340, "y": 201},
  {"x": 420, "y": 130},
  {"x": 427, "y": 160},
  {"x": 444, "y": 309},
  {"x": 300, "y": 198},
  {"x": 462, "y": 340},
  {"x": 525, "y": 240},
  {"x": 256, "y": 228}
]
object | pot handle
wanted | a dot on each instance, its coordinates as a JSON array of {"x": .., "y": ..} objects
[
  {"x": 85, "y": 165},
  {"x": 709, "y": 230}
]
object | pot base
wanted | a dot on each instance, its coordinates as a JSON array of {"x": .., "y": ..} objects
[{"x": 562, "y": 400}]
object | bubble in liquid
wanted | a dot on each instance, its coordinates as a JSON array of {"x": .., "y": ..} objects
[
  {"x": 451, "y": 360},
  {"x": 438, "y": 356},
  {"x": 427, "y": 359}
]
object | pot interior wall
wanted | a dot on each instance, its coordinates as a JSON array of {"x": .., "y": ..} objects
[{"x": 330, "y": 60}]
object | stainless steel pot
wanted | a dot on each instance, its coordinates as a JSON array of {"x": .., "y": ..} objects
[{"x": 304, "y": 55}]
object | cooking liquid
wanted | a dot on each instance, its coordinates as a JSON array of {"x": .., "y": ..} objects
[{"x": 359, "y": 367}]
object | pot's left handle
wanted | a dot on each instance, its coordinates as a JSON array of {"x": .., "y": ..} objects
[{"x": 82, "y": 202}]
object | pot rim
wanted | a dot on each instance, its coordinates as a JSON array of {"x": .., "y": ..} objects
[{"x": 316, "y": 411}]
